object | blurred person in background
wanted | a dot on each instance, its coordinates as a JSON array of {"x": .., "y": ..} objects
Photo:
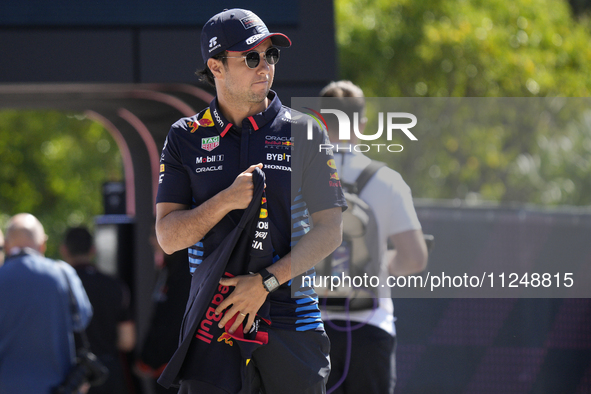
[
  {"x": 112, "y": 329},
  {"x": 1, "y": 248},
  {"x": 169, "y": 298},
  {"x": 372, "y": 356},
  {"x": 37, "y": 347}
]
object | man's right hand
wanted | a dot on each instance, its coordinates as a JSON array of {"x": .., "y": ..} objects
[
  {"x": 178, "y": 226},
  {"x": 240, "y": 192}
]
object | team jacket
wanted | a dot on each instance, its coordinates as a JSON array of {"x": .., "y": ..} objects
[
  {"x": 204, "y": 154},
  {"x": 209, "y": 353}
]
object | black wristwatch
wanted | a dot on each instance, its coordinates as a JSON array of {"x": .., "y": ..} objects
[{"x": 270, "y": 282}]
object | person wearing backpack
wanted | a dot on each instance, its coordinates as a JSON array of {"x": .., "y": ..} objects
[{"x": 362, "y": 331}]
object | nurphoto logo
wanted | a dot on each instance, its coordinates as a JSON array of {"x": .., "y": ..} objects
[{"x": 392, "y": 121}]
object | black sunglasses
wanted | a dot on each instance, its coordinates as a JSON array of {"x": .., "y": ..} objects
[{"x": 253, "y": 58}]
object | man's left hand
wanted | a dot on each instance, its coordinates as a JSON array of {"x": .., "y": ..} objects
[{"x": 246, "y": 300}]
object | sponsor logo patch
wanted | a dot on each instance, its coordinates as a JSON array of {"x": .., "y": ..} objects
[
  {"x": 206, "y": 120},
  {"x": 277, "y": 167},
  {"x": 210, "y": 143},
  {"x": 278, "y": 145},
  {"x": 251, "y": 20},
  {"x": 213, "y": 44},
  {"x": 208, "y": 169},
  {"x": 289, "y": 120},
  {"x": 332, "y": 164},
  {"x": 272, "y": 141},
  {"x": 253, "y": 39},
  {"x": 193, "y": 126},
  {"x": 209, "y": 159},
  {"x": 277, "y": 138},
  {"x": 278, "y": 157},
  {"x": 217, "y": 118}
]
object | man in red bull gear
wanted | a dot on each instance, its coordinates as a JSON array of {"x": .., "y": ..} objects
[{"x": 206, "y": 182}]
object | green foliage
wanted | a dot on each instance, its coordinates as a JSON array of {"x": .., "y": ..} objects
[
  {"x": 53, "y": 166},
  {"x": 478, "y": 48}
]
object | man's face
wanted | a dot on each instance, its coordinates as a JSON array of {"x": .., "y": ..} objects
[{"x": 246, "y": 84}]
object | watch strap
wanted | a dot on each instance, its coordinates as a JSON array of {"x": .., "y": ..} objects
[{"x": 265, "y": 274}]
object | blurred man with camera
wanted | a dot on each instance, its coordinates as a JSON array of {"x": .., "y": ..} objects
[{"x": 37, "y": 348}]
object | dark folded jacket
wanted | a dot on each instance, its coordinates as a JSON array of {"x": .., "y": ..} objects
[{"x": 205, "y": 351}]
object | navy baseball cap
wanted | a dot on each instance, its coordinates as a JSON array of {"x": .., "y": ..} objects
[{"x": 236, "y": 30}]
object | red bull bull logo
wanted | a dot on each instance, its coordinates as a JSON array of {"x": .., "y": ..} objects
[
  {"x": 193, "y": 126},
  {"x": 227, "y": 338},
  {"x": 334, "y": 176},
  {"x": 206, "y": 120}
]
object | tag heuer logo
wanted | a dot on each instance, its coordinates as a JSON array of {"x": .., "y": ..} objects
[{"x": 210, "y": 143}]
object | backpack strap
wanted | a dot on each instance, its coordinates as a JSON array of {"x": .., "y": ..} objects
[
  {"x": 81, "y": 339},
  {"x": 367, "y": 173}
]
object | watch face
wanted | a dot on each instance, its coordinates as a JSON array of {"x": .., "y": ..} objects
[{"x": 271, "y": 283}]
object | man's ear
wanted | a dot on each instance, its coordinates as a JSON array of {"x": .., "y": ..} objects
[
  {"x": 43, "y": 247},
  {"x": 216, "y": 67}
]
